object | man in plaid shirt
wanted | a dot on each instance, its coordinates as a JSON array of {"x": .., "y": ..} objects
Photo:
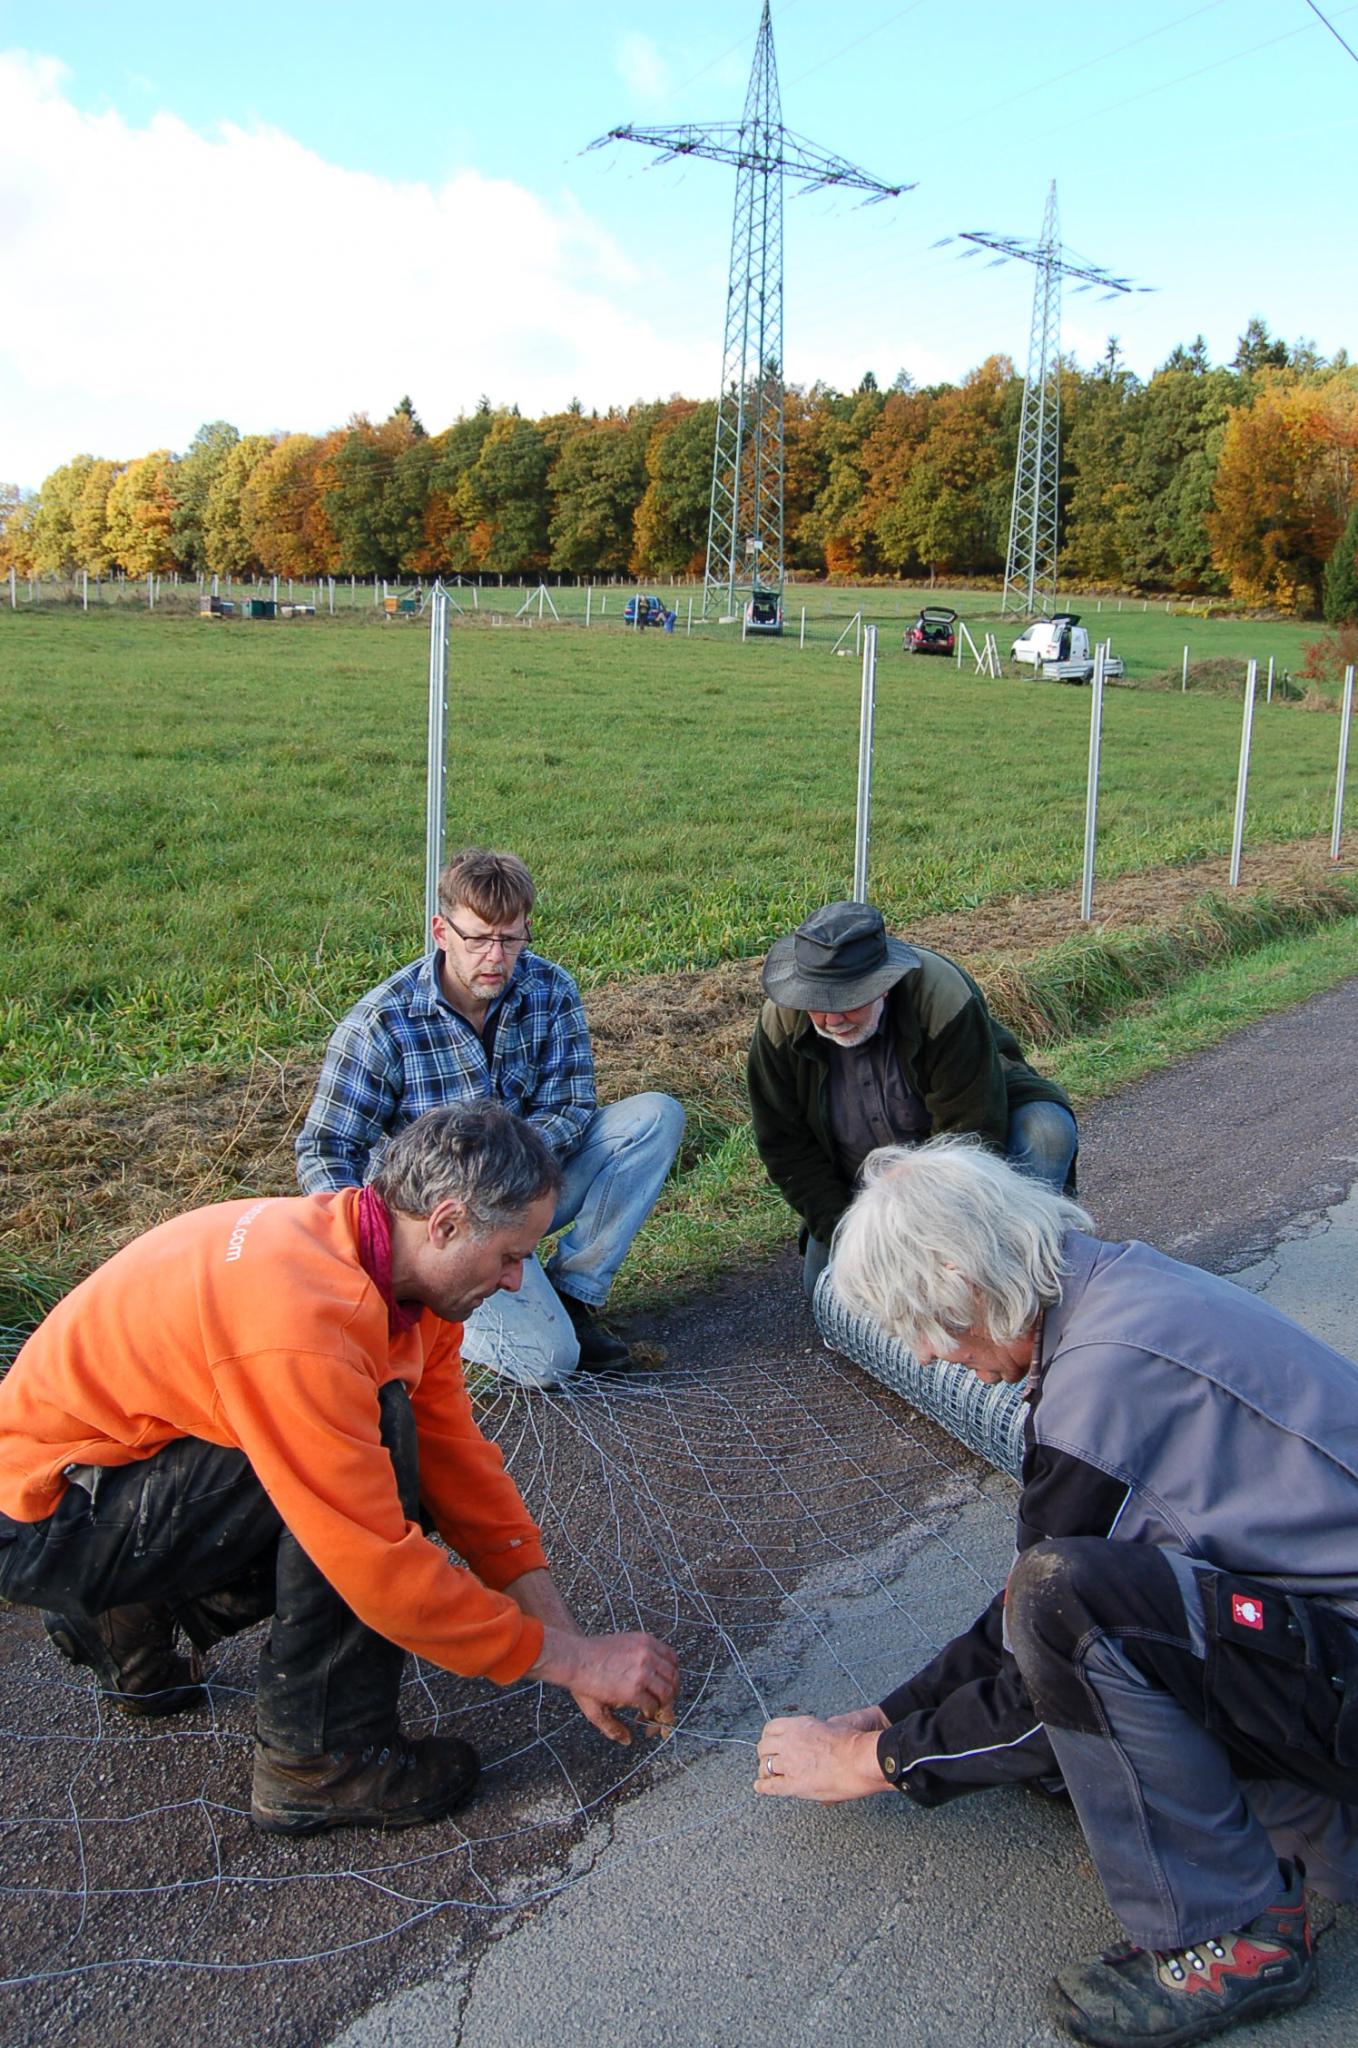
[{"x": 478, "y": 1016}]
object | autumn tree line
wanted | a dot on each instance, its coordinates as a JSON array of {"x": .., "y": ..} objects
[{"x": 1239, "y": 480}]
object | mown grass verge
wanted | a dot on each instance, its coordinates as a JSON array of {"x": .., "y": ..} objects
[{"x": 1098, "y": 1012}]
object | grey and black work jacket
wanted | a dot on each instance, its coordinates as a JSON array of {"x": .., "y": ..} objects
[{"x": 1167, "y": 1406}]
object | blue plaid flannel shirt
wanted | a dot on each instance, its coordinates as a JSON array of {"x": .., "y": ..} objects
[{"x": 403, "y": 1049}]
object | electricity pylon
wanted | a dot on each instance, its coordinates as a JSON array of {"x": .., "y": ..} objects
[
  {"x": 1030, "y": 563},
  {"x": 745, "y": 517}
]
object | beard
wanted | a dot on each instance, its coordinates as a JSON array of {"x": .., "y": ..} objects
[{"x": 848, "y": 1036}]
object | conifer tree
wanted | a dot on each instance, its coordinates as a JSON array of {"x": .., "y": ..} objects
[{"x": 1341, "y": 574}]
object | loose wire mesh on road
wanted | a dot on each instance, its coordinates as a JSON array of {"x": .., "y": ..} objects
[{"x": 728, "y": 1510}]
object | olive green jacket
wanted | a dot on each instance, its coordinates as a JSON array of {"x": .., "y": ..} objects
[{"x": 968, "y": 1070}]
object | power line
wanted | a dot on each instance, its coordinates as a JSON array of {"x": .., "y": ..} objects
[
  {"x": 741, "y": 45},
  {"x": 866, "y": 36},
  {"x": 1187, "y": 77},
  {"x": 1333, "y": 30},
  {"x": 1103, "y": 57}
]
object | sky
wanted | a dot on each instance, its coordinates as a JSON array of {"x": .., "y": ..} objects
[{"x": 285, "y": 214}]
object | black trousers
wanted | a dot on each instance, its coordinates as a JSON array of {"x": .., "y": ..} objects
[{"x": 193, "y": 1521}]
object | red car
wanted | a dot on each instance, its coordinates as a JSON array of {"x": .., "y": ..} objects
[{"x": 932, "y": 632}]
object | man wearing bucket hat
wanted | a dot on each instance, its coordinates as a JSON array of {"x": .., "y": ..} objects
[{"x": 866, "y": 1041}]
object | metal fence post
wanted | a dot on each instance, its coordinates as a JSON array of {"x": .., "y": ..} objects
[
  {"x": 1092, "y": 782},
  {"x": 866, "y": 713},
  {"x": 1185, "y": 668},
  {"x": 1243, "y": 777},
  {"x": 1268, "y": 690},
  {"x": 1340, "y": 772},
  {"x": 437, "y": 765},
  {"x": 801, "y": 638}
]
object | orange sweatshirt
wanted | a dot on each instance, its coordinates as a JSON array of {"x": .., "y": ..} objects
[{"x": 253, "y": 1325}]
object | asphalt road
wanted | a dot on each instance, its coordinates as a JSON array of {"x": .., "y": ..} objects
[
  {"x": 809, "y": 1534},
  {"x": 708, "y": 1916}
]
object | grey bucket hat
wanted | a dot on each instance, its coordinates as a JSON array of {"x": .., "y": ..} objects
[{"x": 839, "y": 958}]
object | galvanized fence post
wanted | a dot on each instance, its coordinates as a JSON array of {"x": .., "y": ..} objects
[
  {"x": 437, "y": 764},
  {"x": 1092, "y": 782},
  {"x": 801, "y": 637},
  {"x": 1185, "y": 668},
  {"x": 1242, "y": 779},
  {"x": 1345, "y": 721},
  {"x": 866, "y": 715}
]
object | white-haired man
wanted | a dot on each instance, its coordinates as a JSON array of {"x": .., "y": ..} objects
[
  {"x": 257, "y": 1409},
  {"x": 1178, "y": 1639}
]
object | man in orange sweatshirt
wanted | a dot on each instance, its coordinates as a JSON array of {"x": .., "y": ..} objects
[{"x": 257, "y": 1408}]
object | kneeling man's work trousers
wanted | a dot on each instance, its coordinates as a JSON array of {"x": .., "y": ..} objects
[
  {"x": 193, "y": 1521},
  {"x": 1204, "y": 1725}
]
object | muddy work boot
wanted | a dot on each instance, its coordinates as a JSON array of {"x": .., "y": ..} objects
[
  {"x": 131, "y": 1651},
  {"x": 1152, "y": 1998},
  {"x": 401, "y": 1785}
]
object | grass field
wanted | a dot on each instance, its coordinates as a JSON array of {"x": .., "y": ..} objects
[
  {"x": 1150, "y": 634},
  {"x": 215, "y": 833},
  {"x": 215, "y": 843}
]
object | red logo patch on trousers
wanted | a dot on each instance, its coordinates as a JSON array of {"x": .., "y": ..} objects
[{"x": 1246, "y": 1612}]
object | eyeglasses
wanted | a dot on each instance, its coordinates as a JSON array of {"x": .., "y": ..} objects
[{"x": 478, "y": 943}]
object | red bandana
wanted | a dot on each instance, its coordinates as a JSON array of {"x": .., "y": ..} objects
[{"x": 374, "y": 1252}]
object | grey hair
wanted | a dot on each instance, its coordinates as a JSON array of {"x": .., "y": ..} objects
[
  {"x": 947, "y": 1236},
  {"x": 475, "y": 1153}
]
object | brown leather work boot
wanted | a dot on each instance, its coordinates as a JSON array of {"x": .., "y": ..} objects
[
  {"x": 132, "y": 1655},
  {"x": 400, "y": 1785}
]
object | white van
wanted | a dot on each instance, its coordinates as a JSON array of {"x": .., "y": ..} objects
[{"x": 1059, "y": 647}]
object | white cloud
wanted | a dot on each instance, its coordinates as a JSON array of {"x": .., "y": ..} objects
[
  {"x": 642, "y": 69},
  {"x": 162, "y": 277}
]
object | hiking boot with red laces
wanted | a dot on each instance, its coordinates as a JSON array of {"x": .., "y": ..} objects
[
  {"x": 1158, "y": 1998},
  {"x": 131, "y": 1651},
  {"x": 400, "y": 1785}
]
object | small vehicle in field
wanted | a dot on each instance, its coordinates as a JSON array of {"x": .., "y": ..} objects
[
  {"x": 645, "y": 610},
  {"x": 764, "y": 612},
  {"x": 932, "y": 632},
  {"x": 1058, "y": 648}
]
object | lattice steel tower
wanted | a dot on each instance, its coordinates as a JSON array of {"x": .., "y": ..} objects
[
  {"x": 1030, "y": 563},
  {"x": 1030, "y": 560},
  {"x": 745, "y": 519}
]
